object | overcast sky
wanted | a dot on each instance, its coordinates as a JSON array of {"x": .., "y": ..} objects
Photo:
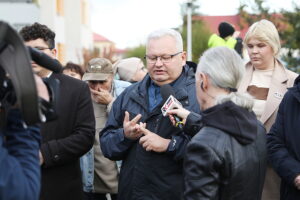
[{"x": 128, "y": 22}]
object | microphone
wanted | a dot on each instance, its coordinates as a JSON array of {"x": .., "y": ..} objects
[
  {"x": 168, "y": 96},
  {"x": 44, "y": 60}
]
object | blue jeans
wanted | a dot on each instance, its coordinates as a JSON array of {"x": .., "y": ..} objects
[
  {"x": 87, "y": 169},
  {"x": 96, "y": 196}
]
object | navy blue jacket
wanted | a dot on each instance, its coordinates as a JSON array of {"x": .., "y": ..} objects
[
  {"x": 149, "y": 175},
  {"x": 284, "y": 142},
  {"x": 19, "y": 160}
]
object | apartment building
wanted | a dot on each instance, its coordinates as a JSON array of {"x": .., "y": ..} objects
[{"x": 69, "y": 19}]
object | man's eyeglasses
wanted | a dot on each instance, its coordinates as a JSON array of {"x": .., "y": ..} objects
[
  {"x": 42, "y": 48},
  {"x": 164, "y": 58}
]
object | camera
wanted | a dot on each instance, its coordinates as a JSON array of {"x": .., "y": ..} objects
[{"x": 17, "y": 83}]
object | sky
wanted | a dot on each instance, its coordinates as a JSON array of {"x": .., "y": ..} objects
[{"x": 128, "y": 22}]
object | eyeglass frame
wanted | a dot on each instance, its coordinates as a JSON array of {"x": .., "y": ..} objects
[
  {"x": 160, "y": 57},
  {"x": 42, "y": 48}
]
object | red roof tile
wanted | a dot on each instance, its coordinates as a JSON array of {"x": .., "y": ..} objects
[
  {"x": 213, "y": 22},
  {"x": 100, "y": 38}
]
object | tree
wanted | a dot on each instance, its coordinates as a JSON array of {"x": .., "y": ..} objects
[
  {"x": 194, "y": 6},
  {"x": 200, "y": 33},
  {"x": 259, "y": 11},
  {"x": 200, "y": 36},
  {"x": 89, "y": 54},
  {"x": 286, "y": 22},
  {"x": 291, "y": 37},
  {"x": 138, "y": 51}
]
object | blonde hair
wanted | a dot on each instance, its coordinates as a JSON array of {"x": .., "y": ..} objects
[
  {"x": 264, "y": 31},
  {"x": 225, "y": 69}
]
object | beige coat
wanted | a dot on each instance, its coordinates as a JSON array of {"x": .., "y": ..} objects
[
  {"x": 106, "y": 173},
  {"x": 281, "y": 80}
]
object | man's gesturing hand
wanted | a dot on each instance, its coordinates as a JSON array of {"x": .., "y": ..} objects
[
  {"x": 131, "y": 128},
  {"x": 153, "y": 142},
  {"x": 297, "y": 182}
]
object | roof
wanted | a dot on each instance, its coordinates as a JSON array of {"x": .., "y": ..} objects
[
  {"x": 213, "y": 22},
  {"x": 100, "y": 38}
]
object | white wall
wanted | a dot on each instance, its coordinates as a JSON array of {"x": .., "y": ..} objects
[
  {"x": 78, "y": 35},
  {"x": 19, "y": 14},
  {"x": 72, "y": 33},
  {"x": 68, "y": 28}
]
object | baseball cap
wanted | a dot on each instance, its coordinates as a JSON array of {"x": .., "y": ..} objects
[
  {"x": 99, "y": 69},
  {"x": 127, "y": 67}
]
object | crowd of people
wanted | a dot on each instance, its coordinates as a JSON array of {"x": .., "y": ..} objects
[{"x": 237, "y": 137}]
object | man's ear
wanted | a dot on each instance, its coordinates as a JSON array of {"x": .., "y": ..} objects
[
  {"x": 54, "y": 53},
  {"x": 183, "y": 57}
]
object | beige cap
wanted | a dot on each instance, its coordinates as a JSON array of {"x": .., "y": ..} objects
[
  {"x": 127, "y": 67},
  {"x": 99, "y": 69}
]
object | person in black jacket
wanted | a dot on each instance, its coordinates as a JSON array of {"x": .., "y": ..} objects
[
  {"x": 19, "y": 148},
  {"x": 152, "y": 157},
  {"x": 226, "y": 159},
  {"x": 283, "y": 143},
  {"x": 71, "y": 135}
]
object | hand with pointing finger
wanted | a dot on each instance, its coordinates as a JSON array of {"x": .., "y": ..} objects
[
  {"x": 297, "y": 182},
  {"x": 131, "y": 128},
  {"x": 153, "y": 142}
]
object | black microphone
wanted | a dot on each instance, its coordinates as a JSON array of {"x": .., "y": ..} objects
[
  {"x": 44, "y": 60},
  {"x": 168, "y": 96}
]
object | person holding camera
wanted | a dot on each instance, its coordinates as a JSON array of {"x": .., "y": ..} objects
[
  {"x": 71, "y": 135},
  {"x": 19, "y": 149}
]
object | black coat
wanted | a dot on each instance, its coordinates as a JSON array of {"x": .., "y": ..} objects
[
  {"x": 66, "y": 139},
  {"x": 226, "y": 159},
  {"x": 284, "y": 142},
  {"x": 149, "y": 175}
]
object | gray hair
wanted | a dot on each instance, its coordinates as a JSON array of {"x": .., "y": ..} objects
[
  {"x": 225, "y": 69},
  {"x": 167, "y": 32}
]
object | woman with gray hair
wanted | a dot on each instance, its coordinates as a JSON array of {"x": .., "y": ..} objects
[
  {"x": 267, "y": 80},
  {"x": 226, "y": 159}
]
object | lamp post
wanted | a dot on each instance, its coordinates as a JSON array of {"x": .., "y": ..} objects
[{"x": 189, "y": 30}]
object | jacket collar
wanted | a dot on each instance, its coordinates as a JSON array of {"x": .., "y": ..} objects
[
  {"x": 277, "y": 88},
  {"x": 140, "y": 94},
  {"x": 296, "y": 89}
]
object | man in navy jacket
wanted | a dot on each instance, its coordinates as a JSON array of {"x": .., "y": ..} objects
[
  {"x": 284, "y": 143},
  {"x": 152, "y": 157}
]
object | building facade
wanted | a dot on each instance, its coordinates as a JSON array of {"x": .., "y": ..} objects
[{"x": 69, "y": 19}]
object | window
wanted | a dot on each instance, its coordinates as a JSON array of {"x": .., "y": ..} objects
[
  {"x": 60, "y": 7},
  {"x": 84, "y": 16},
  {"x": 61, "y": 52}
]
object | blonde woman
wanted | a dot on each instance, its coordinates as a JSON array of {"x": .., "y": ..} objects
[{"x": 267, "y": 80}]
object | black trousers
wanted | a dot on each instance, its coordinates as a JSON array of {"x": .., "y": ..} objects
[{"x": 98, "y": 196}]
